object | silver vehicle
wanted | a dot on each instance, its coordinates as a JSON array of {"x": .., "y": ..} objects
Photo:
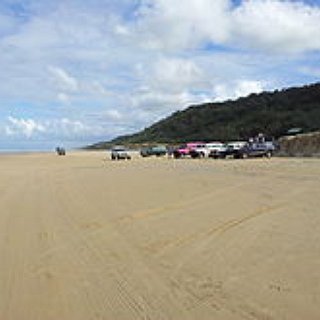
[{"x": 120, "y": 152}]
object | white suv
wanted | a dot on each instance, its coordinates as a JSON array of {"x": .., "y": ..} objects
[
  {"x": 120, "y": 152},
  {"x": 215, "y": 148},
  {"x": 207, "y": 149},
  {"x": 199, "y": 151}
]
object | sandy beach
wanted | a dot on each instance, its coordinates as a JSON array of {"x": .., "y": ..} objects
[{"x": 86, "y": 238}]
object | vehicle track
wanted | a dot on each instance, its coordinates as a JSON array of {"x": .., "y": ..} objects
[
  {"x": 165, "y": 210},
  {"x": 125, "y": 291}
]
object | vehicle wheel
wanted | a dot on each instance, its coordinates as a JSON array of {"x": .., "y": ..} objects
[
  {"x": 113, "y": 158},
  {"x": 128, "y": 158}
]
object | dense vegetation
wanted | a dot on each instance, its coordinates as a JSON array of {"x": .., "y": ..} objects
[{"x": 272, "y": 113}]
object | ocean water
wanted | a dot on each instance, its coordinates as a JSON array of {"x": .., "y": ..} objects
[{"x": 38, "y": 146}]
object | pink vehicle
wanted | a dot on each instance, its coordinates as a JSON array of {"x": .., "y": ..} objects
[{"x": 185, "y": 150}]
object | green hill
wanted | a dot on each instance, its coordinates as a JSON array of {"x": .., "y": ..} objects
[{"x": 273, "y": 113}]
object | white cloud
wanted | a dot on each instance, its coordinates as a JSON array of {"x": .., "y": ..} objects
[
  {"x": 24, "y": 127},
  {"x": 173, "y": 24},
  {"x": 114, "y": 115},
  {"x": 63, "y": 79},
  {"x": 174, "y": 74},
  {"x": 68, "y": 127},
  {"x": 277, "y": 26},
  {"x": 64, "y": 98},
  {"x": 64, "y": 127},
  {"x": 273, "y": 25},
  {"x": 236, "y": 90},
  {"x": 95, "y": 87},
  {"x": 155, "y": 104},
  {"x": 121, "y": 30}
]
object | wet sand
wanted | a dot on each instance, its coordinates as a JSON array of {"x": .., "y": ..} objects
[{"x": 83, "y": 237}]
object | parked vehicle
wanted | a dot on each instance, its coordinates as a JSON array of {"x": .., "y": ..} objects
[
  {"x": 206, "y": 150},
  {"x": 216, "y": 149},
  {"x": 233, "y": 149},
  {"x": 60, "y": 151},
  {"x": 257, "y": 147},
  {"x": 120, "y": 152},
  {"x": 153, "y": 151},
  {"x": 186, "y": 149},
  {"x": 199, "y": 151}
]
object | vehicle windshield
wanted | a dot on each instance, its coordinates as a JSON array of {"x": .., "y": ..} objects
[
  {"x": 215, "y": 145},
  {"x": 159, "y": 148}
]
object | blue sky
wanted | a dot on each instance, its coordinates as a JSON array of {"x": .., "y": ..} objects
[{"x": 75, "y": 71}]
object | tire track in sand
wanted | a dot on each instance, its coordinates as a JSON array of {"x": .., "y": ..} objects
[
  {"x": 214, "y": 230},
  {"x": 223, "y": 228},
  {"x": 163, "y": 210},
  {"x": 128, "y": 275}
]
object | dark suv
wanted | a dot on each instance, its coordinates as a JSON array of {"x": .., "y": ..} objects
[
  {"x": 256, "y": 149},
  {"x": 153, "y": 151}
]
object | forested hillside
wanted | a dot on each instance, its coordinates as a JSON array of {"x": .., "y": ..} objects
[{"x": 273, "y": 113}]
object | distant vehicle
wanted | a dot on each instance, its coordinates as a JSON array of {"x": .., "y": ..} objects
[
  {"x": 207, "y": 149},
  {"x": 120, "y": 152},
  {"x": 233, "y": 149},
  {"x": 215, "y": 148},
  {"x": 60, "y": 151},
  {"x": 257, "y": 147},
  {"x": 199, "y": 151},
  {"x": 186, "y": 149},
  {"x": 153, "y": 151}
]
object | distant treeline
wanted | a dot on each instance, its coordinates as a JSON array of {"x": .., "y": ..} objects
[{"x": 271, "y": 113}]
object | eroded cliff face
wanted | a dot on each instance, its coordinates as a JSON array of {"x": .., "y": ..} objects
[{"x": 302, "y": 145}]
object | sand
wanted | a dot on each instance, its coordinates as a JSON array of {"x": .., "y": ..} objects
[{"x": 82, "y": 237}]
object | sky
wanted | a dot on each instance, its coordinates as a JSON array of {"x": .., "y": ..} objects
[{"x": 75, "y": 72}]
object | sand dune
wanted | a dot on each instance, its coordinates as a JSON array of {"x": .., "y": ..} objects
[{"x": 82, "y": 237}]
